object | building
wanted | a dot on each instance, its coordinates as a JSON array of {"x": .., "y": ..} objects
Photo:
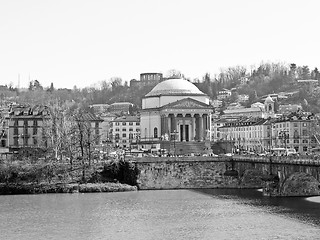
[
  {"x": 120, "y": 108},
  {"x": 150, "y": 78},
  {"x": 286, "y": 109},
  {"x": 225, "y": 93},
  {"x": 25, "y": 125},
  {"x": 243, "y": 98},
  {"x": 243, "y": 80},
  {"x": 259, "y": 135},
  {"x": 257, "y": 110},
  {"x": 175, "y": 110},
  {"x": 147, "y": 79},
  {"x": 295, "y": 131},
  {"x": 106, "y": 126},
  {"x": 249, "y": 134},
  {"x": 93, "y": 122},
  {"x": 311, "y": 84},
  {"x": 125, "y": 131},
  {"x": 100, "y": 108},
  {"x": 216, "y": 103}
]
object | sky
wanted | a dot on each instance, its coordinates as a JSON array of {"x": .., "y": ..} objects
[{"x": 83, "y": 42}]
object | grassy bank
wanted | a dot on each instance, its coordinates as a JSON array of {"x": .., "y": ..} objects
[
  {"x": 33, "y": 188},
  {"x": 21, "y": 177}
]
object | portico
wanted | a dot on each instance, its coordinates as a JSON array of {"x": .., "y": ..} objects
[{"x": 187, "y": 126}]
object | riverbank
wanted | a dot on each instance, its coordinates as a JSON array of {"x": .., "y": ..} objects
[{"x": 33, "y": 188}]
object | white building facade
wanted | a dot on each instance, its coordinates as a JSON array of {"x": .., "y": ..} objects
[{"x": 177, "y": 109}]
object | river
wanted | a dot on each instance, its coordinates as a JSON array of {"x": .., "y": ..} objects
[{"x": 166, "y": 214}]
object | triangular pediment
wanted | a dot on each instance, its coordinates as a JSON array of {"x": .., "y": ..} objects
[{"x": 187, "y": 103}]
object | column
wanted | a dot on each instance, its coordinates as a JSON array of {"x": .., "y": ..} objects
[
  {"x": 205, "y": 125},
  {"x": 200, "y": 130},
  {"x": 184, "y": 133},
  {"x": 196, "y": 125},
  {"x": 210, "y": 136},
  {"x": 162, "y": 125},
  {"x": 192, "y": 128},
  {"x": 205, "y": 119},
  {"x": 174, "y": 123}
]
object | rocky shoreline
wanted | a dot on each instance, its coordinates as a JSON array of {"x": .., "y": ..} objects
[{"x": 33, "y": 188}]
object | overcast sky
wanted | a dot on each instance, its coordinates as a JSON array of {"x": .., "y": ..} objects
[{"x": 82, "y": 42}]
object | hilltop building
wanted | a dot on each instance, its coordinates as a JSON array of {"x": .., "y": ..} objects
[
  {"x": 147, "y": 79},
  {"x": 257, "y": 110},
  {"x": 224, "y": 94}
]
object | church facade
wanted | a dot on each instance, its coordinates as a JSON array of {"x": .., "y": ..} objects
[{"x": 175, "y": 110}]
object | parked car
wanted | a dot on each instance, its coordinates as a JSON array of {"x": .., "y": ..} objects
[{"x": 229, "y": 154}]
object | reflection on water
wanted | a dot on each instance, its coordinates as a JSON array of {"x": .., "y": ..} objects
[
  {"x": 304, "y": 209},
  {"x": 173, "y": 214},
  {"x": 315, "y": 199}
]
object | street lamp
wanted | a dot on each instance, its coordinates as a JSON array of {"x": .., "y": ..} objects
[{"x": 174, "y": 133}]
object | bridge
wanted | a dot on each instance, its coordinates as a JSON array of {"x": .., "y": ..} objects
[{"x": 278, "y": 176}]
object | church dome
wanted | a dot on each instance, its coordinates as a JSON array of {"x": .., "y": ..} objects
[{"x": 174, "y": 87}]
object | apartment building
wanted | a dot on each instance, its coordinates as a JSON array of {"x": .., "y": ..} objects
[
  {"x": 250, "y": 134},
  {"x": 295, "y": 131},
  {"x": 25, "y": 126},
  {"x": 125, "y": 131},
  {"x": 257, "y": 134}
]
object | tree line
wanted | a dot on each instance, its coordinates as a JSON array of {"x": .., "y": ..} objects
[{"x": 264, "y": 79}]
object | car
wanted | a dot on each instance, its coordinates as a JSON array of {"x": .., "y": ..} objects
[{"x": 229, "y": 154}]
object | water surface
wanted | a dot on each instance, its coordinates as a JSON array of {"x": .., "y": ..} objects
[{"x": 172, "y": 214}]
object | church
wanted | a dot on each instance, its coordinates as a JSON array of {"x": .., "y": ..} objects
[{"x": 175, "y": 116}]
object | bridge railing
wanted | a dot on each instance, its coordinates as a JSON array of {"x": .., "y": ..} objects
[{"x": 302, "y": 160}]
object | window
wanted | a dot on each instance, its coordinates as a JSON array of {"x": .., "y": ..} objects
[
  {"x": 117, "y": 129},
  {"x": 124, "y": 129},
  {"x": 124, "y": 141},
  {"x": 124, "y": 123},
  {"x": 35, "y": 141},
  {"x": 304, "y": 124},
  {"x": 117, "y": 123},
  {"x": 304, "y": 141},
  {"x": 15, "y": 131},
  {"x": 35, "y": 130},
  {"x": 304, "y": 132},
  {"x": 117, "y": 136},
  {"x": 295, "y": 141},
  {"x": 15, "y": 141},
  {"x": 130, "y": 136},
  {"x": 35, "y": 123},
  {"x": 16, "y": 123},
  {"x": 130, "y": 129},
  {"x": 295, "y": 125},
  {"x": 137, "y": 124},
  {"x": 305, "y": 148},
  {"x": 124, "y": 135},
  {"x": 155, "y": 132},
  {"x": 25, "y": 141},
  {"x": 130, "y": 123}
]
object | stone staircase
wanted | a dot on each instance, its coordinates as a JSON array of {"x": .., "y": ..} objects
[{"x": 184, "y": 148}]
